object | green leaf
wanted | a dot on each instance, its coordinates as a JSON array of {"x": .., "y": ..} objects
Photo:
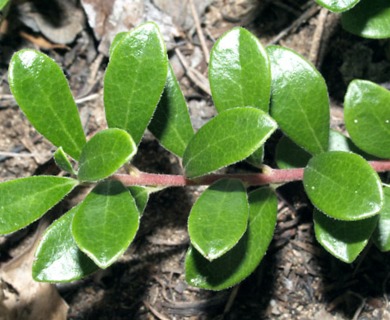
[
  {"x": 219, "y": 218},
  {"x": 230, "y": 137},
  {"x": 343, "y": 239},
  {"x": 105, "y": 153},
  {"x": 288, "y": 155},
  {"x": 24, "y": 200},
  {"x": 239, "y": 71},
  {"x": 337, "y": 5},
  {"x": 42, "y": 92},
  {"x": 256, "y": 158},
  {"x": 58, "y": 258},
  {"x": 299, "y": 100},
  {"x": 368, "y": 19},
  {"x": 62, "y": 161},
  {"x": 343, "y": 185},
  {"x": 117, "y": 39},
  {"x": 171, "y": 123},
  {"x": 381, "y": 235},
  {"x": 135, "y": 79},
  {"x": 242, "y": 260},
  {"x": 141, "y": 197},
  {"x": 367, "y": 117},
  {"x": 106, "y": 222}
]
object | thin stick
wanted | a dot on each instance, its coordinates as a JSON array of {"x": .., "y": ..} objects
[
  {"x": 272, "y": 176},
  {"x": 317, "y": 37},
  {"x": 199, "y": 31}
]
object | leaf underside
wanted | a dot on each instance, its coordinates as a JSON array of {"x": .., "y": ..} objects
[
  {"x": 381, "y": 235},
  {"x": 337, "y": 5}
]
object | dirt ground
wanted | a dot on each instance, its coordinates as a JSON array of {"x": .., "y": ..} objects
[{"x": 297, "y": 279}]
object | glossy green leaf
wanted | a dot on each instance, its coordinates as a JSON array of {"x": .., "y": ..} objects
[
  {"x": 368, "y": 19},
  {"x": 343, "y": 239},
  {"x": 299, "y": 100},
  {"x": 24, "y": 200},
  {"x": 135, "y": 79},
  {"x": 62, "y": 161},
  {"x": 230, "y": 137},
  {"x": 106, "y": 222},
  {"x": 239, "y": 71},
  {"x": 117, "y": 39},
  {"x": 3, "y": 3},
  {"x": 42, "y": 92},
  {"x": 337, "y": 5},
  {"x": 242, "y": 260},
  {"x": 381, "y": 235},
  {"x": 367, "y": 117},
  {"x": 171, "y": 123},
  {"x": 219, "y": 218},
  {"x": 105, "y": 153},
  {"x": 141, "y": 197},
  {"x": 58, "y": 258},
  {"x": 343, "y": 185}
]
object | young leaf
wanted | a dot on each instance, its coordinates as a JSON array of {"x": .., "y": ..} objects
[
  {"x": 24, "y": 200},
  {"x": 141, "y": 197},
  {"x": 368, "y": 19},
  {"x": 58, "y": 258},
  {"x": 239, "y": 71},
  {"x": 337, "y": 5},
  {"x": 62, "y": 161},
  {"x": 299, "y": 100},
  {"x": 106, "y": 222},
  {"x": 343, "y": 239},
  {"x": 242, "y": 260},
  {"x": 134, "y": 79},
  {"x": 171, "y": 123},
  {"x": 42, "y": 92},
  {"x": 230, "y": 137},
  {"x": 343, "y": 186},
  {"x": 219, "y": 218},
  {"x": 105, "y": 153},
  {"x": 381, "y": 235},
  {"x": 367, "y": 117}
]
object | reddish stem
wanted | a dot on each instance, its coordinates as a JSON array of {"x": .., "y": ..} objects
[{"x": 272, "y": 176}]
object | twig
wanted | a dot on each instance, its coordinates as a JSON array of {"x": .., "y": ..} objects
[
  {"x": 317, "y": 37},
  {"x": 199, "y": 31},
  {"x": 157, "y": 314},
  {"x": 15, "y": 154},
  {"x": 81, "y": 100},
  {"x": 271, "y": 176},
  {"x": 194, "y": 75},
  {"x": 302, "y": 19}
]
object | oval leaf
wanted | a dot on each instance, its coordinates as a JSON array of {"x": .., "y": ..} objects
[
  {"x": 381, "y": 235},
  {"x": 42, "y": 92},
  {"x": 230, "y": 137},
  {"x": 106, "y": 223},
  {"x": 367, "y": 117},
  {"x": 239, "y": 71},
  {"x": 343, "y": 239},
  {"x": 299, "y": 100},
  {"x": 242, "y": 260},
  {"x": 62, "y": 161},
  {"x": 337, "y": 5},
  {"x": 58, "y": 258},
  {"x": 24, "y": 200},
  {"x": 141, "y": 197},
  {"x": 368, "y": 19},
  {"x": 219, "y": 218},
  {"x": 134, "y": 79},
  {"x": 343, "y": 185},
  {"x": 105, "y": 153},
  {"x": 171, "y": 123}
]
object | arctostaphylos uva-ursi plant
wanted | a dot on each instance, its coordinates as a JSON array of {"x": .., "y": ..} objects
[
  {"x": 256, "y": 91},
  {"x": 365, "y": 18}
]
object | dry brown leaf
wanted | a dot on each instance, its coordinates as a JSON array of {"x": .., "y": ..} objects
[{"x": 21, "y": 298}]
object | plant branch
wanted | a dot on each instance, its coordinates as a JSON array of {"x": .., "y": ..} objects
[{"x": 269, "y": 176}]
